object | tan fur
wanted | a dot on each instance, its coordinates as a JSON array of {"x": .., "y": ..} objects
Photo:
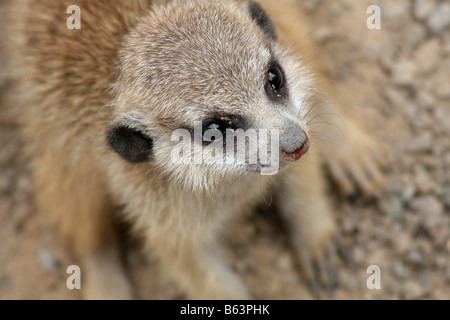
[{"x": 75, "y": 83}]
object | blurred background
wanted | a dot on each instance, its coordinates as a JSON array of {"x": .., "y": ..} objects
[{"x": 397, "y": 79}]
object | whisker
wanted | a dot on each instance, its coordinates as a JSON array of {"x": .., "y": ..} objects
[
  {"x": 323, "y": 114},
  {"x": 268, "y": 203}
]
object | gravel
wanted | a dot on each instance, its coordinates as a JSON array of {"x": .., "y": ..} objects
[
  {"x": 423, "y": 8},
  {"x": 404, "y": 72},
  {"x": 439, "y": 19},
  {"x": 47, "y": 260}
]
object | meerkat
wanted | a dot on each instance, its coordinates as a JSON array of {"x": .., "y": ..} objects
[{"x": 99, "y": 106}]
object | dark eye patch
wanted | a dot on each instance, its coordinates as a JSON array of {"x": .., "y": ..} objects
[
  {"x": 262, "y": 19},
  {"x": 223, "y": 122},
  {"x": 214, "y": 130},
  {"x": 216, "y": 123}
]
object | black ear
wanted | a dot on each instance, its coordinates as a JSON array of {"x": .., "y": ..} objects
[
  {"x": 262, "y": 19},
  {"x": 130, "y": 144}
]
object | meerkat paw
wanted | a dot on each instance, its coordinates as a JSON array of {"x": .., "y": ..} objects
[
  {"x": 105, "y": 277},
  {"x": 316, "y": 249},
  {"x": 356, "y": 164},
  {"x": 321, "y": 268}
]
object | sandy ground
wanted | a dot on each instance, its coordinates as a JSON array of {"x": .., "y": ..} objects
[{"x": 398, "y": 79}]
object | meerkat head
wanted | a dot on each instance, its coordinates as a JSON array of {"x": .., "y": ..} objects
[{"x": 192, "y": 74}]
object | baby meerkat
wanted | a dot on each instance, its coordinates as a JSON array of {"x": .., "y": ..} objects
[{"x": 99, "y": 108}]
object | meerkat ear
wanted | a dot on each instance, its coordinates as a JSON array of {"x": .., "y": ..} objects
[
  {"x": 261, "y": 18},
  {"x": 129, "y": 143}
]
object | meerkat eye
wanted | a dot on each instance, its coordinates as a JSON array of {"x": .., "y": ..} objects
[
  {"x": 216, "y": 127},
  {"x": 275, "y": 77},
  {"x": 214, "y": 131},
  {"x": 213, "y": 126}
]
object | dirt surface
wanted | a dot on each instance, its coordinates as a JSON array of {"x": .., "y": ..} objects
[{"x": 398, "y": 79}]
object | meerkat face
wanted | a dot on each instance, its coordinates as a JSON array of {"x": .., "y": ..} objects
[{"x": 202, "y": 71}]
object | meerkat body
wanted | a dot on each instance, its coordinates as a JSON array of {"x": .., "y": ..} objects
[{"x": 99, "y": 105}]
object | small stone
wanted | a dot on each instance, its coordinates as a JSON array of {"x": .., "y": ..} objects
[
  {"x": 435, "y": 214},
  {"x": 402, "y": 242},
  {"x": 441, "y": 260},
  {"x": 412, "y": 290},
  {"x": 439, "y": 19},
  {"x": 400, "y": 271},
  {"x": 415, "y": 34},
  {"x": 441, "y": 233},
  {"x": 358, "y": 255},
  {"x": 396, "y": 185},
  {"x": 423, "y": 8},
  {"x": 408, "y": 192},
  {"x": 428, "y": 55},
  {"x": 411, "y": 111},
  {"x": 422, "y": 180},
  {"x": 311, "y": 5},
  {"x": 386, "y": 58},
  {"x": 422, "y": 143},
  {"x": 425, "y": 247},
  {"x": 377, "y": 256},
  {"x": 47, "y": 260},
  {"x": 404, "y": 72},
  {"x": 395, "y": 10},
  {"x": 431, "y": 209},
  {"x": 425, "y": 99},
  {"x": 395, "y": 209}
]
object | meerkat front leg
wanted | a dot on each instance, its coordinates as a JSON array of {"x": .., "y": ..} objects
[
  {"x": 309, "y": 217},
  {"x": 190, "y": 251}
]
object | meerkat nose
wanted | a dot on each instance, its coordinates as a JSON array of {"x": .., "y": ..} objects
[
  {"x": 299, "y": 152},
  {"x": 294, "y": 142}
]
